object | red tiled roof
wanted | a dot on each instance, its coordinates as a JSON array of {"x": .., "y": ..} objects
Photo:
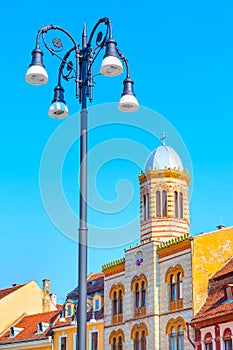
[
  {"x": 216, "y": 305},
  {"x": 30, "y": 326},
  {"x": 95, "y": 284},
  {"x": 225, "y": 270},
  {"x": 6, "y": 291},
  {"x": 93, "y": 276}
]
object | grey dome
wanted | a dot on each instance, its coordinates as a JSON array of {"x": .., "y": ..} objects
[{"x": 163, "y": 157}]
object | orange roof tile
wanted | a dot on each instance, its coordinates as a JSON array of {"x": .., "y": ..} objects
[
  {"x": 216, "y": 304},
  {"x": 30, "y": 326},
  {"x": 93, "y": 276},
  {"x": 6, "y": 291}
]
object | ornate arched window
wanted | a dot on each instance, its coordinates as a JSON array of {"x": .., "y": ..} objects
[
  {"x": 120, "y": 343},
  {"x": 116, "y": 294},
  {"x": 227, "y": 338},
  {"x": 175, "y": 330},
  {"x": 143, "y": 294},
  {"x": 179, "y": 286},
  {"x": 172, "y": 288},
  {"x": 137, "y": 295},
  {"x": 116, "y": 339},
  {"x": 173, "y": 278},
  {"x": 158, "y": 204},
  {"x": 139, "y": 288},
  {"x": 164, "y": 204},
  {"x": 139, "y": 334},
  {"x": 143, "y": 341},
  {"x": 114, "y": 344},
  {"x": 208, "y": 341},
  {"x": 136, "y": 341},
  {"x": 120, "y": 302},
  {"x": 114, "y": 304}
]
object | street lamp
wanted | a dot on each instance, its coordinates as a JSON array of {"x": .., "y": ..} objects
[{"x": 81, "y": 73}]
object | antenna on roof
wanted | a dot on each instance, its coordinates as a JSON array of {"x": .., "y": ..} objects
[{"x": 163, "y": 138}]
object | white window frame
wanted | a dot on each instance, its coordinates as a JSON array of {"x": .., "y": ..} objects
[
  {"x": 93, "y": 330},
  {"x": 63, "y": 335}
]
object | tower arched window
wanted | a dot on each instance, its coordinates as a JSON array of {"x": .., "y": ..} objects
[
  {"x": 181, "y": 206},
  {"x": 146, "y": 207},
  {"x": 176, "y": 210},
  {"x": 179, "y": 286},
  {"x": 164, "y": 204},
  {"x": 158, "y": 204}
]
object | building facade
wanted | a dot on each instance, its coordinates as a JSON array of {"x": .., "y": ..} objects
[
  {"x": 152, "y": 293},
  {"x": 213, "y": 324}
]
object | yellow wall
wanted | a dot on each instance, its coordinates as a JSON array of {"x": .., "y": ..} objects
[
  {"x": 71, "y": 330},
  {"x": 210, "y": 252},
  {"x": 25, "y": 300}
]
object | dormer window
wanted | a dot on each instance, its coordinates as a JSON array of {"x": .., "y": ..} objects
[
  {"x": 42, "y": 326},
  {"x": 97, "y": 304},
  {"x": 14, "y": 331},
  {"x": 229, "y": 292}
]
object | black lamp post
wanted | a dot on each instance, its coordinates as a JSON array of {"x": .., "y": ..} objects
[{"x": 81, "y": 73}]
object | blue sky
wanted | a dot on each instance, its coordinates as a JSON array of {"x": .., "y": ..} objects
[{"x": 181, "y": 59}]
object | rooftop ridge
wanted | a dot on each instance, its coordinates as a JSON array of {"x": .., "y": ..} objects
[
  {"x": 113, "y": 264},
  {"x": 173, "y": 241}
]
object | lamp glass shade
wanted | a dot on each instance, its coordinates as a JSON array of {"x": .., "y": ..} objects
[
  {"x": 111, "y": 66},
  {"x": 58, "y": 110},
  {"x": 128, "y": 103},
  {"x": 36, "y": 75}
]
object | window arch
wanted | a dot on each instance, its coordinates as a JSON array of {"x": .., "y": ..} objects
[
  {"x": 175, "y": 330},
  {"x": 139, "y": 288},
  {"x": 161, "y": 204},
  {"x": 208, "y": 341},
  {"x": 179, "y": 286},
  {"x": 181, "y": 205},
  {"x": 227, "y": 338},
  {"x": 178, "y": 205},
  {"x": 139, "y": 333},
  {"x": 174, "y": 279},
  {"x": 164, "y": 204},
  {"x": 146, "y": 207},
  {"x": 117, "y": 292},
  {"x": 158, "y": 204},
  {"x": 173, "y": 295},
  {"x": 116, "y": 339}
]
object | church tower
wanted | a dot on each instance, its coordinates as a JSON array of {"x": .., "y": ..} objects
[{"x": 164, "y": 197}]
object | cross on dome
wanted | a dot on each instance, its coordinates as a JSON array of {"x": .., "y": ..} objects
[{"x": 163, "y": 138}]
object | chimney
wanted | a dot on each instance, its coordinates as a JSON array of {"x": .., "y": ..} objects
[
  {"x": 219, "y": 227},
  {"x": 46, "y": 295}
]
